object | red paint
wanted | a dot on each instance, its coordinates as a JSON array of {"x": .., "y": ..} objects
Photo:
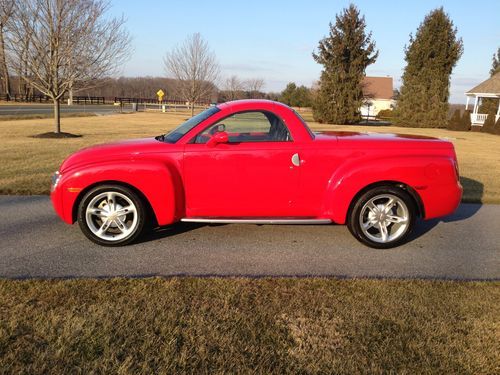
[{"x": 258, "y": 179}]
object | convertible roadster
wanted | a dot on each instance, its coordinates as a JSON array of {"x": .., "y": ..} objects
[{"x": 257, "y": 162}]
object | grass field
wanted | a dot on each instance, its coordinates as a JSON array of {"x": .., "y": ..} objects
[
  {"x": 249, "y": 326},
  {"x": 28, "y": 162}
]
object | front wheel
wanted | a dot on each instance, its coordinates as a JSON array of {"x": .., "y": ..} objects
[
  {"x": 111, "y": 215},
  {"x": 383, "y": 217}
]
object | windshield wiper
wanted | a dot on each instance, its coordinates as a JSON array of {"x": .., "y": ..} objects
[{"x": 160, "y": 138}]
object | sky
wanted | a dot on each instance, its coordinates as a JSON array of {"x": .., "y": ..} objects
[{"x": 275, "y": 39}]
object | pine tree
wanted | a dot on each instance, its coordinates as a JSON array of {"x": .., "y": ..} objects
[
  {"x": 431, "y": 56},
  {"x": 287, "y": 95},
  {"x": 489, "y": 123},
  {"x": 455, "y": 121},
  {"x": 491, "y": 104},
  {"x": 497, "y": 127},
  {"x": 465, "y": 123},
  {"x": 344, "y": 53}
]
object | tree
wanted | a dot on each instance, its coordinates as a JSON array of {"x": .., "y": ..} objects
[
  {"x": 455, "y": 122},
  {"x": 344, "y": 54},
  {"x": 288, "y": 94},
  {"x": 234, "y": 88},
  {"x": 431, "y": 56},
  {"x": 59, "y": 43},
  {"x": 6, "y": 10},
  {"x": 491, "y": 104},
  {"x": 195, "y": 67},
  {"x": 296, "y": 96},
  {"x": 489, "y": 123},
  {"x": 254, "y": 87}
]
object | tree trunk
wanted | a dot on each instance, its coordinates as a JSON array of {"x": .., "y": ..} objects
[
  {"x": 3, "y": 62},
  {"x": 57, "y": 116},
  {"x": 192, "y": 109}
]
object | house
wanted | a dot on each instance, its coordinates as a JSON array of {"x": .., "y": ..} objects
[
  {"x": 487, "y": 89},
  {"x": 378, "y": 94}
]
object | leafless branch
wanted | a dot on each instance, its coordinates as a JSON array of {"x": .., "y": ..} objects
[
  {"x": 195, "y": 68},
  {"x": 60, "y": 44}
]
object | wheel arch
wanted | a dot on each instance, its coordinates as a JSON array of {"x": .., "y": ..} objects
[
  {"x": 411, "y": 191},
  {"x": 149, "y": 209}
]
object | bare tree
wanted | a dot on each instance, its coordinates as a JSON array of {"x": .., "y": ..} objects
[
  {"x": 6, "y": 9},
  {"x": 254, "y": 86},
  {"x": 234, "y": 87},
  {"x": 195, "y": 68},
  {"x": 57, "y": 44}
]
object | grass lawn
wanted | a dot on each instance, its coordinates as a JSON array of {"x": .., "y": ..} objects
[
  {"x": 249, "y": 326},
  {"x": 28, "y": 162}
]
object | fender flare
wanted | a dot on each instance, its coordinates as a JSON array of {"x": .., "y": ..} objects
[
  {"x": 159, "y": 184},
  {"x": 413, "y": 172}
]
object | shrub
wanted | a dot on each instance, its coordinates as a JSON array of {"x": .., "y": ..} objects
[
  {"x": 385, "y": 114},
  {"x": 489, "y": 124},
  {"x": 455, "y": 122},
  {"x": 465, "y": 123},
  {"x": 496, "y": 130}
]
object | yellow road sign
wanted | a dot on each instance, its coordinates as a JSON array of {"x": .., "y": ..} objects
[{"x": 160, "y": 94}]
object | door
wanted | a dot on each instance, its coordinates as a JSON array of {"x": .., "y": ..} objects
[{"x": 251, "y": 174}]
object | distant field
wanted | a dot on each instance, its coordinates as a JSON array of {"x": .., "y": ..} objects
[{"x": 28, "y": 162}]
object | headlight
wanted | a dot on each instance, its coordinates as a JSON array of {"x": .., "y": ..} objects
[{"x": 55, "y": 180}]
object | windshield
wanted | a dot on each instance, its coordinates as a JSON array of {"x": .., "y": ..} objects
[{"x": 179, "y": 132}]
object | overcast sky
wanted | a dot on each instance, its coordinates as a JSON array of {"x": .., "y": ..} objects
[{"x": 274, "y": 40}]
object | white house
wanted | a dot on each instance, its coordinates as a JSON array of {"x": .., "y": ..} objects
[{"x": 378, "y": 95}]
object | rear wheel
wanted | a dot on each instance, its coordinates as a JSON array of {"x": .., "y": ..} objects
[
  {"x": 111, "y": 215},
  {"x": 383, "y": 217}
]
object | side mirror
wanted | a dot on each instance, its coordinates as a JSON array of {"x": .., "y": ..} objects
[{"x": 221, "y": 137}]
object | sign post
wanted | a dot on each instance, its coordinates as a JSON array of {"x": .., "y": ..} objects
[{"x": 161, "y": 94}]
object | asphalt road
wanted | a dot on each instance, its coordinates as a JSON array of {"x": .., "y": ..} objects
[
  {"x": 37, "y": 109},
  {"x": 35, "y": 243}
]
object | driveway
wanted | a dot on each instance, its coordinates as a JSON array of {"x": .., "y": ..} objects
[{"x": 36, "y": 244}]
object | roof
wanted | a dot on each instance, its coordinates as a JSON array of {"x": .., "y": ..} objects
[
  {"x": 490, "y": 86},
  {"x": 378, "y": 87}
]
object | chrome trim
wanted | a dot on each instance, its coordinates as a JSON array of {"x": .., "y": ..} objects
[
  {"x": 296, "y": 160},
  {"x": 54, "y": 180},
  {"x": 256, "y": 221}
]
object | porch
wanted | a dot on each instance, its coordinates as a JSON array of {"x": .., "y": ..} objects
[{"x": 487, "y": 89}]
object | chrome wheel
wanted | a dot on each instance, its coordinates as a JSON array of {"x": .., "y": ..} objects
[
  {"x": 111, "y": 216},
  {"x": 384, "y": 218}
]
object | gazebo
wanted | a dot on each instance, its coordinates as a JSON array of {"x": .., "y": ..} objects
[{"x": 487, "y": 89}]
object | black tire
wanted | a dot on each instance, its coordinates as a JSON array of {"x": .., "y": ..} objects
[
  {"x": 360, "y": 212},
  {"x": 124, "y": 198}
]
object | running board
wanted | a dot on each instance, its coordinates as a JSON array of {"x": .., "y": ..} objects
[{"x": 255, "y": 221}]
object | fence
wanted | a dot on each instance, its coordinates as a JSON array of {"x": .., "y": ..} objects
[
  {"x": 26, "y": 98},
  {"x": 89, "y": 100},
  {"x": 175, "y": 102}
]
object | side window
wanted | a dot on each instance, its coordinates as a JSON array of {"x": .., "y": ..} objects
[{"x": 254, "y": 126}]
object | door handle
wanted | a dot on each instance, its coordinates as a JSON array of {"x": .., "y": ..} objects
[{"x": 296, "y": 160}]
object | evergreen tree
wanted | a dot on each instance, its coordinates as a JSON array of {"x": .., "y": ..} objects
[
  {"x": 455, "y": 121},
  {"x": 497, "y": 127},
  {"x": 296, "y": 96},
  {"x": 491, "y": 104},
  {"x": 489, "y": 123},
  {"x": 465, "y": 123},
  {"x": 431, "y": 56},
  {"x": 287, "y": 95},
  {"x": 344, "y": 53}
]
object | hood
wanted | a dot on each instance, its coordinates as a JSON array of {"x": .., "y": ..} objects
[
  {"x": 113, "y": 151},
  {"x": 353, "y": 139}
]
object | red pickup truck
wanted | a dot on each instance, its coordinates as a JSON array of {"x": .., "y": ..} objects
[{"x": 256, "y": 161}]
